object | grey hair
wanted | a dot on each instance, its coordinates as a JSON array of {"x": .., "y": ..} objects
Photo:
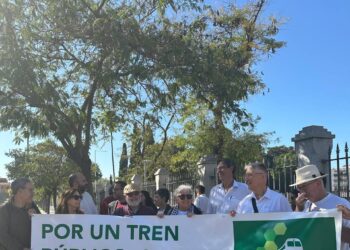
[
  {"x": 257, "y": 166},
  {"x": 178, "y": 190}
]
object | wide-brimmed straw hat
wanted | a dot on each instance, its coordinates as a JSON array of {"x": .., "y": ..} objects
[
  {"x": 131, "y": 188},
  {"x": 306, "y": 174}
]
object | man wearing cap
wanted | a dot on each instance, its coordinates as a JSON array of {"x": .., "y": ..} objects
[
  {"x": 314, "y": 197},
  {"x": 15, "y": 216},
  {"x": 132, "y": 194},
  {"x": 262, "y": 199}
]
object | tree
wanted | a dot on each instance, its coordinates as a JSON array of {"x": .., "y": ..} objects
[
  {"x": 220, "y": 50},
  {"x": 136, "y": 144},
  {"x": 123, "y": 163},
  {"x": 67, "y": 67},
  {"x": 46, "y": 164},
  {"x": 282, "y": 156},
  {"x": 71, "y": 68}
]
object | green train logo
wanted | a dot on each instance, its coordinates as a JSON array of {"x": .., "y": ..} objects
[{"x": 279, "y": 230}]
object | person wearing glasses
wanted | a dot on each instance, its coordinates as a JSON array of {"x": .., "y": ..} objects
[
  {"x": 262, "y": 199},
  {"x": 184, "y": 202},
  {"x": 70, "y": 202},
  {"x": 15, "y": 216},
  {"x": 133, "y": 206},
  {"x": 313, "y": 196},
  {"x": 78, "y": 181}
]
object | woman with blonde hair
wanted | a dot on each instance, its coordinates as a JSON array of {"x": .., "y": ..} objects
[{"x": 70, "y": 202}]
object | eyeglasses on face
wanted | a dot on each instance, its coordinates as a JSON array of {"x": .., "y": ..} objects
[
  {"x": 77, "y": 197},
  {"x": 249, "y": 175},
  {"x": 304, "y": 185},
  {"x": 185, "y": 196},
  {"x": 133, "y": 193}
]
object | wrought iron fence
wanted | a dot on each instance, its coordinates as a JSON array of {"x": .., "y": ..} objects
[
  {"x": 339, "y": 172},
  {"x": 175, "y": 180},
  {"x": 281, "y": 177},
  {"x": 150, "y": 187}
]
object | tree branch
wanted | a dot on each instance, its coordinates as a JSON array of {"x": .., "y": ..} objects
[{"x": 165, "y": 138}]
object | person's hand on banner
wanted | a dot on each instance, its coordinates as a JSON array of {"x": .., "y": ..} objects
[
  {"x": 233, "y": 213},
  {"x": 160, "y": 214},
  {"x": 345, "y": 211}
]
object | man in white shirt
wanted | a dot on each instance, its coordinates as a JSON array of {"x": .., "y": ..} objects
[
  {"x": 201, "y": 200},
  {"x": 87, "y": 204},
  {"x": 314, "y": 197},
  {"x": 224, "y": 197},
  {"x": 262, "y": 199}
]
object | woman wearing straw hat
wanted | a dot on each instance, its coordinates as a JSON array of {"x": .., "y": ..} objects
[{"x": 313, "y": 196}]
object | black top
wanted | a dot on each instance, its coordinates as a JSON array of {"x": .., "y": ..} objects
[
  {"x": 15, "y": 226},
  {"x": 193, "y": 209}
]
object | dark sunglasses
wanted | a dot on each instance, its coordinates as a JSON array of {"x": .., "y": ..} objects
[
  {"x": 184, "y": 196},
  {"x": 77, "y": 197}
]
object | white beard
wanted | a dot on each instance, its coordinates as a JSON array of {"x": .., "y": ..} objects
[{"x": 133, "y": 203}]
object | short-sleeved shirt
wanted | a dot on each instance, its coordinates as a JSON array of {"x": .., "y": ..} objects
[
  {"x": 329, "y": 202},
  {"x": 222, "y": 202},
  {"x": 270, "y": 202},
  {"x": 202, "y": 203}
]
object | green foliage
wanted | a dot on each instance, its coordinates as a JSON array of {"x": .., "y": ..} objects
[
  {"x": 72, "y": 69},
  {"x": 69, "y": 68},
  {"x": 46, "y": 164},
  {"x": 220, "y": 49},
  {"x": 136, "y": 144},
  {"x": 123, "y": 162},
  {"x": 282, "y": 156}
]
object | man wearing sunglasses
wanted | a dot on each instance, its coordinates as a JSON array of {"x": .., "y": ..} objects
[
  {"x": 224, "y": 197},
  {"x": 132, "y": 193}
]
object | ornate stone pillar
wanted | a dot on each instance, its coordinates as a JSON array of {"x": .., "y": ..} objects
[
  {"x": 313, "y": 145},
  {"x": 161, "y": 177},
  {"x": 207, "y": 172}
]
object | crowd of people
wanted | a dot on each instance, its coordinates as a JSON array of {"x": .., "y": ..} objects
[{"x": 228, "y": 197}]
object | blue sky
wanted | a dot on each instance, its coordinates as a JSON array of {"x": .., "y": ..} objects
[{"x": 308, "y": 79}]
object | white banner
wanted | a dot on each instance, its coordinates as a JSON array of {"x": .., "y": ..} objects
[{"x": 101, "y": 232}]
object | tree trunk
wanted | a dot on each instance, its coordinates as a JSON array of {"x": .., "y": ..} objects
[
  {"x": 47, "y": 203},
  {"x": 220, "y": 129},
  {"x": 54, "y": 199},
  {"x": 82, "y": 159}
]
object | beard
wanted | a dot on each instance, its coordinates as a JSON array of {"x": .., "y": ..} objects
[{"x": 133, "y": 203}]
